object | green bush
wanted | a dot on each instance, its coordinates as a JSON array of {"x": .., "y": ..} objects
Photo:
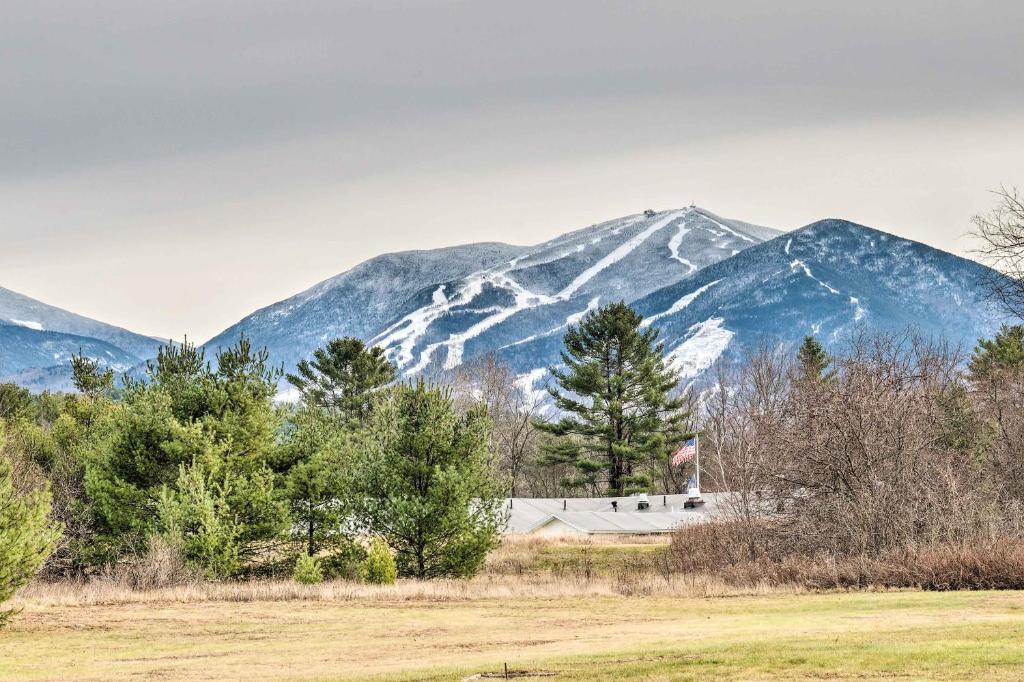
[
  {"x": 26, "y": 535},
  {"x": 307, "y": 570},
  {"x": 379, "y": 568}
]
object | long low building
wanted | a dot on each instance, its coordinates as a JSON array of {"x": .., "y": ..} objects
[{"x": 635, "y": 515}]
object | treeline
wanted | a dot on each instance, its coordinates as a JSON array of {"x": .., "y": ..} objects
[
  {"x": 196, "y": 469},
  {"x": 886, "y": 465}
]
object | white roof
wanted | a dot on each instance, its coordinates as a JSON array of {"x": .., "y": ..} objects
[{"x": 596, "y": 515}]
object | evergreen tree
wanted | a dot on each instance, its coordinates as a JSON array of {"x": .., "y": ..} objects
[
  {"x": 378, "y": 568},
  {"x": 88, "y": 378},
  {"x": 307, "y": 570},
  {"x": 1005, "y": 351},
  {"x": 190, "y": 439},
  {"x": 619, "y": 416},
  {"x": 425, "y": 485},
  {"x": 317, "y": 454},
  {"x": 342, "y": 378},
  {"x": 27, "y": 536},
  {"x": 813, "y": 361},
  {"x": 197, "y": 515}
]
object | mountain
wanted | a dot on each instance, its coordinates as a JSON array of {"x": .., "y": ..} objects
[
  {"x": 23, "y": 311},
  {"x": 827, "y": 279},
  {"x": 37, "y": 341},
  {"x": 714, "y": 287},
  {"x": 431, "y": 309},
  {"x": 358, "y": 302}
]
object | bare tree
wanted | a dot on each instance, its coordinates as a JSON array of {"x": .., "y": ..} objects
[
  {"x": 741, "y": 417},
  {"x": 867, "y": 465},
  {"x": 512, "y": 407},
  {"x": 1001, "y": 233}
]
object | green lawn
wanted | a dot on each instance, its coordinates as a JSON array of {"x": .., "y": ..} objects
[{"x": 910, "y": 635}]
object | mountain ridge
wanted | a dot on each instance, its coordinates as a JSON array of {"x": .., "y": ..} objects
[{"x": 713, "y": 286}]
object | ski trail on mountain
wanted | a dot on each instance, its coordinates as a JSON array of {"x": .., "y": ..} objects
[
  {"x": 616, "y": 255},
  {"x": 679, "y": 305},
  {"x": 408, "y": 330},
  {"x": 858, "y": 310},
  {"x": 728, "y": 229},
  {"x": 524, "y": 299},
  {"x": 799, "y": 264},
  {"x": 677, "y": 241},
  {"x": 571, "y": 319},
  {"x": 400, "y": 339}
]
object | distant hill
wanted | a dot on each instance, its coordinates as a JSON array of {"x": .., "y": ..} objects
[{"x": 37, "y": 341}]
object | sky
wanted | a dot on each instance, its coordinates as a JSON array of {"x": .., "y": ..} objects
[{"x": 171, "y": 167}]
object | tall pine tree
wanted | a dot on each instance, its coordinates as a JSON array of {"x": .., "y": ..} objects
[
  {"x": 424, "y": 483},
  {"x": 618, "y": 415},
  {"x": 342, "y": 378},
  {"x": 813, "y": 361}
]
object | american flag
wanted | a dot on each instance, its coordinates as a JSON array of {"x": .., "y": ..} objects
[{"x": 686, "y": 453}]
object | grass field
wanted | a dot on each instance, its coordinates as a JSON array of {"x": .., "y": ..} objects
[{"x": 571, "y": 631}]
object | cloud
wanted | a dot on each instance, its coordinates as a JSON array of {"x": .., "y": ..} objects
[{"x": 254, "y": 148}]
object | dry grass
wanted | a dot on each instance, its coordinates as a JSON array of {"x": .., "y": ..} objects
[
  {"x": 338, "y": 632},
  {"x": 581, "y": 558},
  {"x": 103, "y": 593},
  {"x": 625, "y": 621},
  {"x": 522, "y": 567}
]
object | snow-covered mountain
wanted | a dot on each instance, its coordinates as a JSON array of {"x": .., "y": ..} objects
[
  {"x": 431, "y": 309},
  {"x": 827, "y": 279},
  {"x": 359, "y": 302},
  {"x": 713, "y": 286},
  {"x": 19, "y": 310},
  {"x": 37, "y": 341}
]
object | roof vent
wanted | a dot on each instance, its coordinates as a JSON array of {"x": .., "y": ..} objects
[{"x": 642, "y": 503}]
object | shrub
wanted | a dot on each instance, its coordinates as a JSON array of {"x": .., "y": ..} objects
[
  {"x": 26, "y": 536},
  {"x": 307, "y": 570},
  {"x": 162, "y": 564},
  {"x": 378, "y": 568},
  {"x": 722, "y": 549}
]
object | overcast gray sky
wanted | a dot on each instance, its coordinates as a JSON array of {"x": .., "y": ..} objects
[{"x": 172, "y": 166}]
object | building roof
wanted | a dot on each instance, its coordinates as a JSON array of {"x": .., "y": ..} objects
[{"x": 596, "y": 515}]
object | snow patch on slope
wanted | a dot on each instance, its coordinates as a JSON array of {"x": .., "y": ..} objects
[
  {"x": 527, "y": 383},
  {"x": 29, "y": 324},
  {"x": 705, "y": 342}
]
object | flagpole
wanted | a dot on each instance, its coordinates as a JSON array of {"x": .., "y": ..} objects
[{"x": 696, "y": 459}]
